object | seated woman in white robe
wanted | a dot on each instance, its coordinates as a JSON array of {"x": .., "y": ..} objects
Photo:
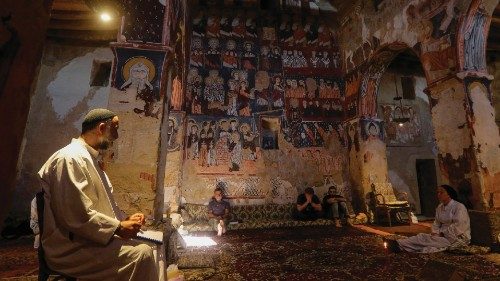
[{"x": 451, "y": 227}]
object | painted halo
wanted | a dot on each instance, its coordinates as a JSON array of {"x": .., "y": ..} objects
[{"x": 135, "y": 60}]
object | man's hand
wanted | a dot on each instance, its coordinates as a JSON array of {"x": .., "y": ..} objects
[
  {"x": 308, "y": 198},
  {"x": 331, "y": 200},
  {"x": 138, "y": 217},
  {"x": 128, "y": 229}
]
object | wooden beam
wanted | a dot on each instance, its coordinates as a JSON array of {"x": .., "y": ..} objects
[
  {"x": 83, "y": 24},
  {"x": 80, "y": 35},
  {"x": 70, "y": 15},
  {"x": 70, "y": 5}
]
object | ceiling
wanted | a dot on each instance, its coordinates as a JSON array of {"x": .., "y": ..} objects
[{"x": 72, "y": 21}]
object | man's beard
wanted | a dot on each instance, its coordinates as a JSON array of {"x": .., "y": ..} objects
[{"x": 104, "y": 144}]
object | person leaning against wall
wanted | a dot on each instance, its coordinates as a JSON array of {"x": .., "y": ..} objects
[
  {"x": 218, "y": 212},
  {"x": 85, "y": 234}
]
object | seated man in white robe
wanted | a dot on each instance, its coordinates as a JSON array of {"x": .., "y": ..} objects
[
  {"x": 85, "y": 236},
  {"x": 451, "y": 227}
]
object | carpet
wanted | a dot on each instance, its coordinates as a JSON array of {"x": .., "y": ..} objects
[
  {"x": 325, "y": 253},
  {"x": 17, "y": 258}
]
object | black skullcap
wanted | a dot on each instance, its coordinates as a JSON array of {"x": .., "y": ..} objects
[
  {"x": 309, "y": 190},
  {"x": 98, "y": 114},
  {"x": 451, "y": 191}
]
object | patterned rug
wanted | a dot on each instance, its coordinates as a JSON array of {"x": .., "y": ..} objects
[
  {"x": 322, "y": 253},
  {"x": 17, "y": 258}
]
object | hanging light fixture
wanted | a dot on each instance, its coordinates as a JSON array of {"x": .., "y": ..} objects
[{"x": 399, "y": 115}]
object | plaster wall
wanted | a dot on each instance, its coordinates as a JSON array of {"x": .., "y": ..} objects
[
  {"x": 173, "y": 168},
  {"x": 486, "y": 142},
  {"x": 494, "y": 70},
  {"x": 419, "y": 140},
  {"x": 62, "y": 97},
  {"x": 134, "y": 156},
  {"x": 367, "y": 164}
]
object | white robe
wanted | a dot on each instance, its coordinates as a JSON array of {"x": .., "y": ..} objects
[
  {"x": 452, "y": 221},
  {"x": 80, "y": 218}
]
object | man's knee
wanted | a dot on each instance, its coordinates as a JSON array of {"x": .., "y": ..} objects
[{"x": 144, "y": 252}]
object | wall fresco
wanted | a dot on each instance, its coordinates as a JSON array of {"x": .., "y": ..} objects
[
  {"x": 407, "y": 134},
  {"x": 246, "y": 62},
  {"x": 221, "y": 145},
  {"x": 429, "y": 27},
  {"x": 137, "y": 73},
  {"x": 371, "y": 129},
  {"x": 472, "y": 38}
]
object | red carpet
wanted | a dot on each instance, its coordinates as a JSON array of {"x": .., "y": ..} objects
[
  {"x": 18, "y": 258},
  {"x": 326, "y": 253}
]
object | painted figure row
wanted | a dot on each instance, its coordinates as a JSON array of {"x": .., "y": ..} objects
[
  {"x": 217, "y": 26},
  {"x": 316, "y": 109},
  {"x": 311, "y": 134},
  {"x": 290, "y": 30},
  {"x": 313, "y": 88},
  {"x": 235, "y": 54},
  {"x": 220, "y": 142}
]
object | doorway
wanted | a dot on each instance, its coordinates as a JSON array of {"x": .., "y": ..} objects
[{"x": 427, "y": 182}]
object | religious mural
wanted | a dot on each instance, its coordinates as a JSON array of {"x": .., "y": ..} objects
[
  {"x": 352, "y": 86},
  {"x": 370, "y": 81},
  {"x": 401, "y": 134},
  {"x": 244, "y": 63},
  {"x": 436, "y": 21},
  {"x": 221, "y": 145},
  {"x": 137, "y": 75},
  {"x": 472, "y": 39},
  {"x": 371, "y": 129},
  {"x": 312, "y": 134},
  {"x": 175, "y": 123}
]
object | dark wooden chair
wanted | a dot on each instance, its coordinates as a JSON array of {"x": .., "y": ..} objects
[
  {"x": 388, "y": 206},
  {"x": 43, "y": 269}
]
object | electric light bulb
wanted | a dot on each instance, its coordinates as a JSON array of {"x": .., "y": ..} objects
[
  {"x": 400, "y": 124},
  {"x": 105, "y": 17}
]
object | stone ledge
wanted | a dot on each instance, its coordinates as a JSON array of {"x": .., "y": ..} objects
[{"x": 485, "y": 228}]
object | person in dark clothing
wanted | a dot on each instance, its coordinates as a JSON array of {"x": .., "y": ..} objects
[
  {"x": 335, "y": 205},
  {"x": 218, "y": 212},
  {"x": 308, "y": 206}
]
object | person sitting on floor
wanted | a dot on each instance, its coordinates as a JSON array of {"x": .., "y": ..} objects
[
  {"x": 335, "y": 205},
  {"x": 308, "y": 206},
  {"x": 451, "y": 227},
  {"x": 218, "y": 212}
]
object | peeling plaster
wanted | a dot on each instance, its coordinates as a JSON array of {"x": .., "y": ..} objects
[
  {"x": 450, "y": 124},
  {"x": 375, "y": 162},
  {"x": 68, "y": 89},
  {"x": 486, "y": 142}
]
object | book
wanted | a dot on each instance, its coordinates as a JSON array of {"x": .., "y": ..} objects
[{"x": 151, "y": 235}]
